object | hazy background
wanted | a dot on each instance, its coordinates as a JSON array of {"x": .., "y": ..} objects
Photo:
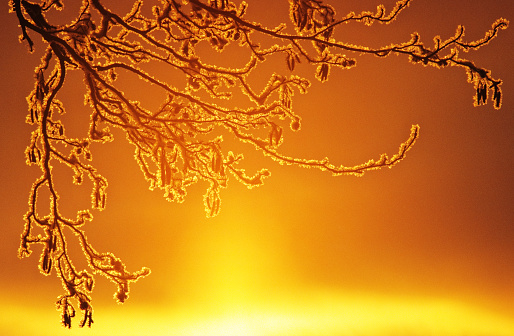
[{"x": 426, "y": 248}]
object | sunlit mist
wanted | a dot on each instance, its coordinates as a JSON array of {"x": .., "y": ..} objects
[{"x": 239, "y": 151}]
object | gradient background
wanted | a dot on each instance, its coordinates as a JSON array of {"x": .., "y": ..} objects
[{"x": 426, "y": 248}]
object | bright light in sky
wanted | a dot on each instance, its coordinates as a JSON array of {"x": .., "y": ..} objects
[
  {"x": 322, "y": 313},
  {"x": 424, "y": 249}
]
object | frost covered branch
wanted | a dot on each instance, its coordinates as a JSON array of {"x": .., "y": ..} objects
[{"x": 181, "y": 143}]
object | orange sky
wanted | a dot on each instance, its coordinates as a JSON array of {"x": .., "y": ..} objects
[{"x": 425, "y": 248}]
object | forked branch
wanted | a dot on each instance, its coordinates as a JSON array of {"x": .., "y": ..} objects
[{"x": 180, "y": 143}]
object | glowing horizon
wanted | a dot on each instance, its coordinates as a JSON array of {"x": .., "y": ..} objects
[{"x": 321, "y": 313}]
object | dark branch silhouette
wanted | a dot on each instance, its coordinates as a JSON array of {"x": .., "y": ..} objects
[{"x": 178, "y": 144}]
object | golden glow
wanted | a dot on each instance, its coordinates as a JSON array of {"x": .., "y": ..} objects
[
  {"x": 232, "y": 258},
  {"x": 424, "y": 249},
  {"x": 322, "y": 313}
]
